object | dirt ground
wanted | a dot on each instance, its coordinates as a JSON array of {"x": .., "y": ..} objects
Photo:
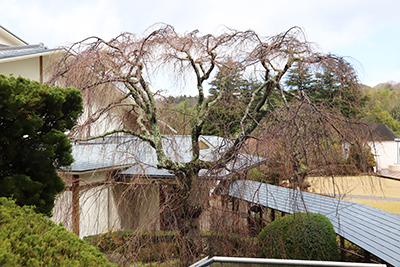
[{"x": 368, "y": 190}]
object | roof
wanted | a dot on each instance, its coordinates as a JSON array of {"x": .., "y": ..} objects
[
  {"x": 372, "y": 229},
  {"x": 11, "y": 52},
  {"x": 381, "y": 132},
  {"x": 11, "y": 37},
  {"x": 139, "y": 158}
]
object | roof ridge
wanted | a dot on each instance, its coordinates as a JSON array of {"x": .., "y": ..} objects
[{"x": 40, "y": 45}]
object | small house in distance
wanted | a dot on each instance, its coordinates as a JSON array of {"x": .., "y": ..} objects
[{"x": 383, "y": 145}]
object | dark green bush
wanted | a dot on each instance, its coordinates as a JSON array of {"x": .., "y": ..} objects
[
  {"x": 302, "y": 236},
  {"x": 30, "y": 239}
]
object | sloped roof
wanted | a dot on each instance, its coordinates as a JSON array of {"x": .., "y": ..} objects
[
  {"x": 381, "y": 132},
  {"x": 12, "y": 38},
  {"x": 372, "y": 229},
  {"x": 15, "y": 48},
  {"x": 139, "y": 158},
  {"x": 9, "y": 52}
]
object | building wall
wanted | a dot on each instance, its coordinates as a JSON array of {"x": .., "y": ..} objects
[
  {"x": 97, "y": 207},
  {"x": 27, "y": 68},
  {"x": 385, "y": 153},
  {"x": 103, "y": 124},
  {"x": 138, "y": 206},
  {"x": 107, "y": 207},
  {"x": 4, "y": 41}
]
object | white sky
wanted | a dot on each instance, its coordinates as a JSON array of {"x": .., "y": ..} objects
[{"x": 366, "y": 30}]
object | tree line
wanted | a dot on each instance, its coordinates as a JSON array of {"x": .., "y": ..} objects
[{"x": 342, "y": 95}]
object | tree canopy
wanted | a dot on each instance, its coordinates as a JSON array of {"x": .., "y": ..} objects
[
  {"x": 33, "y": 145},
  {"x": 383, "y": 107},
  {"x": 333, "y": 87}
]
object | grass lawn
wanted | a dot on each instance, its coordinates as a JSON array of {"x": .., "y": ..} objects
[{"x": 368, "y": 190}]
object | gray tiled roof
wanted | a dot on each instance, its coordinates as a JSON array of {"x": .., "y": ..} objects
[
  {"x": 140, "y": 158},
  {"x": 381, "y": 132},
  {"x": 22, "y": 50},
  {"x": 372, "y": 229}
]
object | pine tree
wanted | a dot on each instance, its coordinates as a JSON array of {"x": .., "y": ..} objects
[
  {"x": 337, "y": 90},
  {"x": 224, "y": 118},
  {"x": 33, "y": 145}
]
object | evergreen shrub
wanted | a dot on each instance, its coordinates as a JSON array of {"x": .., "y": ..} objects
[
  {"x": 301, "y": 236},
  {"x": 30, "y": 239}
]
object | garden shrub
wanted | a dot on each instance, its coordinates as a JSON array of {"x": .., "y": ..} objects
[
  {"x": 30, "y": 239},
  {"x": 361, "y": 156},
  {"x": 116, "y": 240},
  {"x": 151, "y": 246},
  {"x": 302, "y": 236},
  {"x": 138, "y": 245}
]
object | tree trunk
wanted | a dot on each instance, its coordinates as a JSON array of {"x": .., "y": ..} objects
[{"x": 195, "y": 198}]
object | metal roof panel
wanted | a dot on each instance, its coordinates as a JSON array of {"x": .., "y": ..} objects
[{"x": 372, "y": 229}]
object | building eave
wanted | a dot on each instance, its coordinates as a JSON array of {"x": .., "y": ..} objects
[
  {"x": 12, "y": 36},
  {"x": 28, "y": 55},
  {"x": 91, "y": 171}
]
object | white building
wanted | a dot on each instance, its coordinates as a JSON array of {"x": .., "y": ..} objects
[
  {"x": 19, "y": 58},
  {"x": 383, "y": 145}
]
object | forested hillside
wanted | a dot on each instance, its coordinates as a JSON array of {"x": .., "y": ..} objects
[
  {"x": 383, "y": 105},
  {"x": 379, "y": 104}
]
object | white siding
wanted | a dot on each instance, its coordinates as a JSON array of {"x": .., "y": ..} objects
[
  {"x": 385, "y": 153},
  {"x": 27, "y": 68},
  {"x": 110, "y": 207}
]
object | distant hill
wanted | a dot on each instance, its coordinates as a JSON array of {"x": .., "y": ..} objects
[
  {"x": 392, "y": 86},
  {"x": 389, "y": 85}
]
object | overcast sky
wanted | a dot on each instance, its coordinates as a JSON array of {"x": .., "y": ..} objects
[{"x": 366, "y": 30}]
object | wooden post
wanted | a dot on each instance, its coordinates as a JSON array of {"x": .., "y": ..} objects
[
  {"x": 342, "y": 252},
  {"x": 41, "y": 69},
  {"x": 161, "y": 207},
  {"x": 109, "y": 207},
  {"x": 249, "y": 219},
  {"x": 367, "y": 256},
  {"x": 272, "y": 215},
  {"x": 75, "y": 204}
]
